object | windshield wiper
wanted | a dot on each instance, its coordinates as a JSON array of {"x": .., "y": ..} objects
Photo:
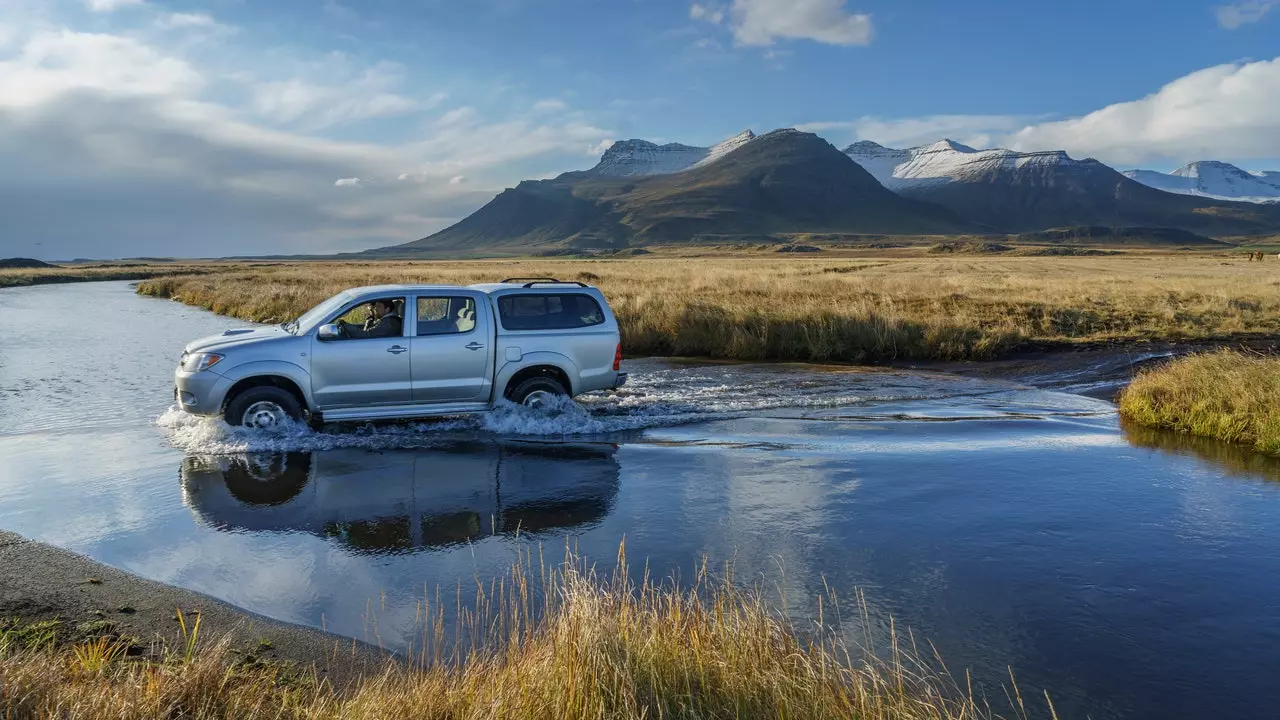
[{"x": 290, "y": 326}]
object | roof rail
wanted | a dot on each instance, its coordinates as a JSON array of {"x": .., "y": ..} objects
[{"x": 530, "y": 282}]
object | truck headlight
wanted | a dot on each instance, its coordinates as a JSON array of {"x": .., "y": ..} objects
[{"x": 195, "y": 362}]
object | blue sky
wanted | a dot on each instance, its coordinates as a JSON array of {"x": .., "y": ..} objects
[{"x": 205, "y": 127}]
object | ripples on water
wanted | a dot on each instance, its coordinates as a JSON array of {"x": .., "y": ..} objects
[{"x": 660, "y": 395}]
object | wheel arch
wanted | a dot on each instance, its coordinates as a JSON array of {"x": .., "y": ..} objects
[
  {"x": 278, "y": 381},
  {"x": 284, "y": 375},
  {"x": 554, "y": 372}
]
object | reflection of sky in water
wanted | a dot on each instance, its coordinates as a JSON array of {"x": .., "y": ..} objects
[{"x": 1130, "y": 573}]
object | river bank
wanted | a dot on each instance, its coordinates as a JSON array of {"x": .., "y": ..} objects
[
  {"x": 847, "y": 310},
  {"x": 1225, "y": 394},
  {"x": 72, "y": 599}
]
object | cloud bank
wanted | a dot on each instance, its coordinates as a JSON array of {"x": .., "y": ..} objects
[
  {"x": 121, "y": 144},
  {"x": 1227, "y": 112},
  {"x": 759, "y": 23}
]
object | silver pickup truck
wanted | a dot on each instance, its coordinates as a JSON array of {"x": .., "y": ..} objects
[{"x": 439, "y": 350}]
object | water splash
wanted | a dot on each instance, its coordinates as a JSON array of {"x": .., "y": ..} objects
[{"x": 659, "y": 395}]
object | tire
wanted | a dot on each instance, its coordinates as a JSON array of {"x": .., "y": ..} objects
[
  {"x": 534, "y": 391},
  {"x": 257, "y": 406},
  {"x": 264, "y": 479}
]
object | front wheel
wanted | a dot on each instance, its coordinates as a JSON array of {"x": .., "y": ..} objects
[
  {"x": 537, "y": 392},
  {"x": 262, "y": 408}
]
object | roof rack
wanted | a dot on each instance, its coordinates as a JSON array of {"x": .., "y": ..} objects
[{"x": 530, "y": 282}]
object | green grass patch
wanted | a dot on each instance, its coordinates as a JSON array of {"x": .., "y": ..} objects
[{"x": 1228, "y": 395}]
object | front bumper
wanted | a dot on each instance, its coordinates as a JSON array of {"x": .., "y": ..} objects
[{"x": 200, "y": 393}]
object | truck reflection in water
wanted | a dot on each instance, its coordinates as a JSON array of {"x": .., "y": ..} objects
[{"x": 401, "y": 501}]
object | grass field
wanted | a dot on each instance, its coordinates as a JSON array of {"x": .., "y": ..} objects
[
  {"x": 603, "y": 648},
  {"x": 845, "y": 309},
  {"x": 1227, "y": 395},
  {"x": 10, "y": 277}
]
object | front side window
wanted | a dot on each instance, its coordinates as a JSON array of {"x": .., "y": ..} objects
[
  {"x": 446, "y": 315},
  {"x": 373, "y": 319},
  {"x": 549, "y": 312}
]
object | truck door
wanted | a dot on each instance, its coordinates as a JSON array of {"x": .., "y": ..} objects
[
  {"x": 357, "y": 372},
  {"x": 452, "y": 348}
]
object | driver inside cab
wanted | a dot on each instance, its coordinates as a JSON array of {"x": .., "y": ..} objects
[{"x": 383, "y": 322}]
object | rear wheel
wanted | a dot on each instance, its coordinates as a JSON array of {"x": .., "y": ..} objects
[
  {"x": 537, "y": 392},
  {"x": 263, "y": 408}
]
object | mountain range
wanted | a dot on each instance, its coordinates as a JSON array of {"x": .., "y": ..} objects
[
  {"x": 787, "y": 181},
  {"x": 1214, "y": 179}
]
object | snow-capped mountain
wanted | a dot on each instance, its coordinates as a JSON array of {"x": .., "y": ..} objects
[
  {"x": 1011, "y": 191},
  {"x": 629, "y": 158},
  {"x": 1213, "y": 179},
  {"x": 946, "y": 161}
]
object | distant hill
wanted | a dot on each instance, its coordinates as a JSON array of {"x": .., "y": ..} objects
[
  {"x": 1016, "y": 192},
  {"x": 783, "y": 181},
  {"x": 1138, "y": 236},
  {"x": 25, "y": 263}
]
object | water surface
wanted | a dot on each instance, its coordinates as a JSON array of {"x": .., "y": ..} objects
[{"x": 1131, "y": 573}]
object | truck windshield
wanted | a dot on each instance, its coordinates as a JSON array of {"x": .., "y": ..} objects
[{"x": 317, "y": 314}]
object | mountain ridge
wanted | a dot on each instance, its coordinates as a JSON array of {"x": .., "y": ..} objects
[
  {"x": 782, "y": 181},
  {"x": 788, "y": 181},
  {"x": 1214, "y": 179}
]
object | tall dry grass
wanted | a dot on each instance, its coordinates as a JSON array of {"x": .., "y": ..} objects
[
  {"x": 20, "y": 277},
  {"x": 815, "y": 309},
  {"x": 1228, "y": 395},
  {"x": 599, "y": 648}
]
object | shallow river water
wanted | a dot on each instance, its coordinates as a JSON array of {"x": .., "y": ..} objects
[{"x": 1130, "y": 573}]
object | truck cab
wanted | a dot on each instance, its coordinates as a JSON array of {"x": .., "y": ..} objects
[{"x": 447, "y": 350}]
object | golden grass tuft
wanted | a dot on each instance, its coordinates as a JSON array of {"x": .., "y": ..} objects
[
  {"x": 596, "y": 647},
  {"x": 1228, "y": 395},
  {"x": 826, "y": 309}
]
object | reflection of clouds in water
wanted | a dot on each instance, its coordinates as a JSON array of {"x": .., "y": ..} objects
[{"x": 73, "y": 490}]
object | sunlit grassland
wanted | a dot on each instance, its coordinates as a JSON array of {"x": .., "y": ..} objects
[
  {"x": 828, "y": 309},
  {"x": 1228, "y": 395},
  {"x": 558, "y": 643},
  {"x": 18, "y": 277}
]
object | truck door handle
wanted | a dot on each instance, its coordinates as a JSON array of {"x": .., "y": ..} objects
[
  {"x": 474, "y": 346},
  {"x": 396, "y": 349}
]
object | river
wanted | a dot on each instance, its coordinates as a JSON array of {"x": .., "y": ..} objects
[{"x": 1130, "y": 573}]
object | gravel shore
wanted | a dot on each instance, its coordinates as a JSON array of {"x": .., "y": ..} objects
[{"x": 39, "y": 582}]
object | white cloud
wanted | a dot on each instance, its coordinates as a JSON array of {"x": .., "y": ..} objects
[
  {"x": 111, "y": 5},
  {"x": 1225, "y": 112},
  {"x": 761, "y": 22},
  {"x": 186, "y": 20},
  {"x": 711, "y": 13},
  {"x": 457, "y": 179},
  {"x": 976, "y": 130},
  {"x": 549, "y": 105},
  {"x": 1243, "y": 13},
  {"x": 52, "y": 63},
  {"x": 347, "y": 182},
  {"x": 315, "y": 105}
]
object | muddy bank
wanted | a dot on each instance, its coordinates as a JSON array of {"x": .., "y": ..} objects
[
  {"x": 1094, "y": 370},
  {"x": 40, "y": 583}
]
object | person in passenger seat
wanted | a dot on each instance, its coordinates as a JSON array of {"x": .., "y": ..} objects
[
  {"x": 383, "y": 322},
  {"x": 466, "y": 319}
]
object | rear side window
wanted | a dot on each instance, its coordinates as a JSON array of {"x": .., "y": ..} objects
[
  {"x": 549, "y": 312},
  {"x": 446, "y": 315}
]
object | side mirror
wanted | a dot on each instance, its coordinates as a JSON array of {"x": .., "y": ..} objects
[{"x": 329, "y": 332}]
